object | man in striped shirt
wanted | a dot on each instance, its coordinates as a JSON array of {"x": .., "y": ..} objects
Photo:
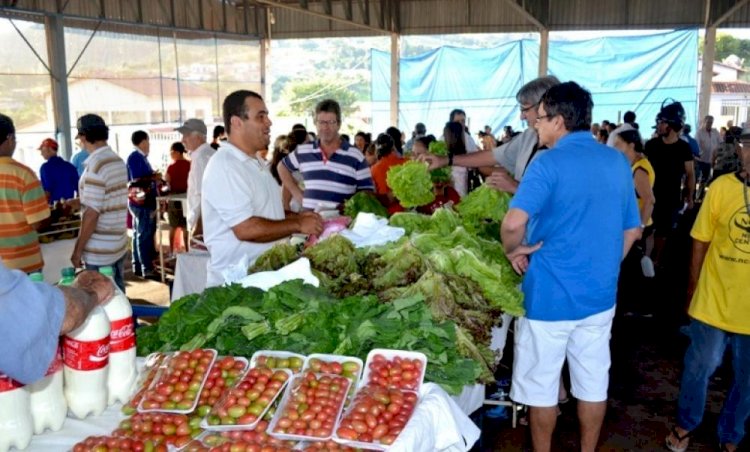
[
  {"x": 23, "y": 207},
  {"x": 103, "y": 239},
  {"x": 332, "y": 169}
]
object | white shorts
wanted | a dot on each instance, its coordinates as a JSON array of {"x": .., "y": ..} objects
[{"x": 540, "y": 351}]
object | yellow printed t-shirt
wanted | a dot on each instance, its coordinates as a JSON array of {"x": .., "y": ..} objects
[
  {"x": 22, "y": 203},
  {"x": 645, "y": 165},
  {"x": 721, "y": 297}
]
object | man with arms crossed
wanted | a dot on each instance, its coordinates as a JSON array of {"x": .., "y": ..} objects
[
  {"x": 579, "y": 230},
  {"x": 243, "y": 214}
]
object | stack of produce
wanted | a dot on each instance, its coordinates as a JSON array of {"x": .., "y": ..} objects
[{"x": 439, "y": 290}]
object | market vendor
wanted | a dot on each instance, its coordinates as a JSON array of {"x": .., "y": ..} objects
[
  {"x": 34, "y": 315},
  {"x": 387, "y": 158},
  {"x": 333, "y": 169},
  {"x": 243, "y": 214}
]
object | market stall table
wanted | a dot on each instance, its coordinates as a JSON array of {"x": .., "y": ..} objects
[
  {"x": 56, "y": 256},
  {"x": 190, "y": 273},
  {"x": 439, "y": 422}
]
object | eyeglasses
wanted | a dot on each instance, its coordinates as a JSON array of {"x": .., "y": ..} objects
[
  {"x": 539, "y": 118},
  {"x": 331, "y": 122},
  {"x": 525, "y": 109}
]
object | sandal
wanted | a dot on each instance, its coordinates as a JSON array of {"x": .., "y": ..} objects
[{"x": 674, "y": 447}]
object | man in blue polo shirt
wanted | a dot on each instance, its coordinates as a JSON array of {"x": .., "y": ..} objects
[
  {"x": 578, "y": 229},
  {"x": 333, "y": 170},
  {"x": 142, "y": 205},
  {"x": 59, "y": 178}
]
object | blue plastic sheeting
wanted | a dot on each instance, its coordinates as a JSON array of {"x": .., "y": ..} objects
[{"x": 623, "y": 73}]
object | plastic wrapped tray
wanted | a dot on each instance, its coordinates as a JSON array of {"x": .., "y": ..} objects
[
  {"x": 165, "y": 372},
  {"x": 291, "y": 390},
  {"x": 251, "y": 426},
  {"x": 390, "y": 355},
  {"x": 275, "y": 354}
]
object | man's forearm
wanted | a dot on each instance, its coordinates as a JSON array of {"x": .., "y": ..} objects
[
  {"x": 78, "y": 305},
  {"x": 262, "y": 230},
  {"x": 88, "y": 225},
  {"x": 697, "y": 257},
  {"x": 630, "y": 236},
  {"x": 475, "y": 159}
]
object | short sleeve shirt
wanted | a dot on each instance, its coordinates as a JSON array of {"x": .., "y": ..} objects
[
  {"x": 581, "y": 221},
  {"x": 329, "y": 181},
  {"x": 668, "y": 161},
  {"x": 178, "y": 176},
  {"x": 31, "y": 315},
  {"x": 380, "y": 172},
  {"x": 235, "y": 188},
  {"x": 721, "y": 297},
  {"x": 22, "y": 203},
  {"x": 59, "y": 178},
  {"x": 103, "y": 187}
]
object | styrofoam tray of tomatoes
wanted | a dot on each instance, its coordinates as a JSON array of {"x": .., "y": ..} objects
[
  {"x": 244, "y": 406},
  {"x": 278, "y": 360},
  {"x": 327, "y": 446},
  {"x": 179, "y": 382},
  {"x": 310, "y": 408},
  {"x": 394, "y": 369},
  {"x": 346, "y": 366},
  {"x": 245, "y": 440},
  {"x": 226, "y": 373},
  {"x": 376, "y": 417},
  {"x": 170, "y": 429},
  {"x": 147, "y": 375}
]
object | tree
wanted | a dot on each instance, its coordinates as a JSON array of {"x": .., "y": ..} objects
[
  {"x": 727, "y": 45},
  {"x": 301, "y": 96}
]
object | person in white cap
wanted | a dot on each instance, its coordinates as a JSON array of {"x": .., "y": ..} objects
[{"x": 194, "y": 134}]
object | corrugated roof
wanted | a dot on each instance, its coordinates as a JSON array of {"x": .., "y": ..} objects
[
  {"x": 373, "y": 17},
  {"x": 154, "y": 87},
  {"x": 731, "y": 87}
]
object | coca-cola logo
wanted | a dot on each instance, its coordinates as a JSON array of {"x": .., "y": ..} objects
[
  {"x": 122, "y": 335},
  {"x": 101, "y": 353},
  {"x": 123, "y": 332}
]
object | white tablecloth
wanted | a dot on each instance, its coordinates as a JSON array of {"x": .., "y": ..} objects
[
  {"x": 438, "y": 424},
  {"x": 190, "y": 273},
  {"x": 56, "y": 256}
]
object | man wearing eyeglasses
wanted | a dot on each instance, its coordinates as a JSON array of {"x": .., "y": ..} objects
[
  {"x": 513, "y": 156},
  {"x": 578, "y": 229},
  {"x": 333, "y": 170}
]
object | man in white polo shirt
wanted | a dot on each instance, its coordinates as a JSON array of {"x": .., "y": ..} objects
[{"x": 243, "y": 214}]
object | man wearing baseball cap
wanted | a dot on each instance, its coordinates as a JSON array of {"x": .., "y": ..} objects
[
  {"x": 194, "y": 133},
  {"x": 59, "y": 178}
]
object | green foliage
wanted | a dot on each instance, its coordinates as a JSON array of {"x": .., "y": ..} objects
[
  {"x": 301, "y": 96},
  {"x": 274, "y": 258},
  {"x": 364, "y": 202},
  {"x": 411, "y": 184},
  {"x": 301, "y": 318}
]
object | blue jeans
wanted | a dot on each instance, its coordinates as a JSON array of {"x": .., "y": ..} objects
[
  {"x": 702, "y": 358},
  {"x": 117, "y": 271},
  {"x": 144, "y": 228}
]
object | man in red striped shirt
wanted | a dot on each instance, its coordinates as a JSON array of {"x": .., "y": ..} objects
[{"x": 23, "y": 206}]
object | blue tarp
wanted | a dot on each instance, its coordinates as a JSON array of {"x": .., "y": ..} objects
[{"x": 623, "y": 73}]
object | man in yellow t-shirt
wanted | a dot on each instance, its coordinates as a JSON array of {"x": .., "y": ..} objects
[{"x": 719, "y": 288}]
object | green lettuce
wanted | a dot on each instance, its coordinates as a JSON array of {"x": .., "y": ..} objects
[{"x": 411, "y": 184}]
